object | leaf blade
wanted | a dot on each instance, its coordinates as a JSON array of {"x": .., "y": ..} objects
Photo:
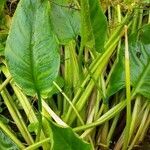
[
  {"x": 31, "y": 48},
  {"x": 67, "y": 139},
  {"x": 6, "y": 142},
  {"x": 93, "y": 25},
  {"x": 65, "y": 21}
]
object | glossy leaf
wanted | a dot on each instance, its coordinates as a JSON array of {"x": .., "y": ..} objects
[
  {"x": 6, "y": 143},
  {"x": 66, "y": 139},
  {"x": 93, "y": 25},
  {"x": 65, "y": 21},
  {"x": 139, "y": 48},
  {"x": 31, "y": 49}
]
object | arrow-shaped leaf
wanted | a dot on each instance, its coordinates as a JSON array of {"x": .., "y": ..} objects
[{"x": 31, "y": 48}]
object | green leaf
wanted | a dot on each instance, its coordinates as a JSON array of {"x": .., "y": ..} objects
[
  {"x": 65, "y": 21},
  {"x": 32, "y": 49},
  {"x": 145, "y": 36},
  {"x": 66, "y": 139},
  {"x": 139, "y": 46},
  {"x": 6, "y": 143},
  {"x": 93, "y": 25}
]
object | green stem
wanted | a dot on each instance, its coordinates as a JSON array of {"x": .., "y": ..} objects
[
  {"x": 136, "y": 110},
  {"x": 141, "y": 127},
  {"x": 5, "y": 83},
  {"x": 146, "y": 127},
  {"x": 16, "y": 116},
  {"x": 140, "y": 18},
  {"x": 135, "y": 21},
  {"x": 69, "y": 101},
  {"x": 107, "y": 116},
  {"x": 68, "y": 77},
  {"x": 24, "y": 101},
  {"x": 40, "y": 116},
  {"x": 112, "y": 129},
  {"x": 92, "y": 144},
  {"x": 75, "y": 67},
  {"x": 105, "y": 127},
  {"x": 11, "y": 135},
  {"x": 83, "y": 98},
  {"x": 96, "y": 69},
  {"x": 128, "y": 91},
  {"x": 38, "y": 144},
  {"x": 52, "y": 114},
  {"x": 149, "y": 17}
]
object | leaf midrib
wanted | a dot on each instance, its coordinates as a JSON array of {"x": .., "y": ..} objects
[{"x": 32, "y": 68}]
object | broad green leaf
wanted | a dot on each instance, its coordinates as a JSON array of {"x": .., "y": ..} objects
[
  {"x": 65, "y": 21},
  {"x": 31, "y": 48},
  {"x": 93, "y": 25},
  {"x": 139, "y": 48},
  {"x": 6, "y": 143},
  {"x": 66, "y": 139}
]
